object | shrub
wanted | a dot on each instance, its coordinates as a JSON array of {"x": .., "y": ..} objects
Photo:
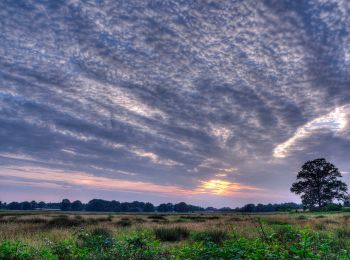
[
  {"x": 64, "y": 249},
  {"x": 14, "y": 250},
  {"x": 171, "y": 234},
  {"x": 159, "y": 217},
  {"x": 140, "y": 246},
  {"x": 301, "y": 217},
  {"x": 97, "y": 239},
  {"x": 216, "y": 236},
  {"x": 285, "y": 233},
  {"x": 332, "y": 207},
  {"x": 63, "y": 221}
]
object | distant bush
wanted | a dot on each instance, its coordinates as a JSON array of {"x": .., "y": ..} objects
[
  {"x": 301, "y": 217},
  {"x": 332, "y": 207},
  {"x": 63, "y": 221},
  {"x": 156, "y": 216},
  {"x": 124, "y": 222},
  {"x": 171, "y": 234}
]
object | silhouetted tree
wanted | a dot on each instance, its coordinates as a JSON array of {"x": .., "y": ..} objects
[
  {"x": 14, "y": 206},
  {"x": 248, "y": 208},
  {"x": 181, "y": 207},
  {"x": 26, "y": 205},
  {"x": 165, "y": 207},
  {"x": 148, "y": 207},
  {"x": 77, "y": 205},
  {"x": 98, "y": 205},
  {"x": 347, "y": 202},
  {"x": 318, "y": 184},
  {"x": 124, "y": 206},
  {"x": 65, "y": 205},
  {"x": 41, "y": 205},
  {"x": 115, "y": 206},
  {"x": 33, "y": 204}
]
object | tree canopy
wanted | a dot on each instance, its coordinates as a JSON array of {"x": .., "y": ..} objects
[{"x": 318, "y": 184}]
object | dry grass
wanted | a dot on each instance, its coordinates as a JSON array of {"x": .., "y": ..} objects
[{"x": 34, "y": 227}]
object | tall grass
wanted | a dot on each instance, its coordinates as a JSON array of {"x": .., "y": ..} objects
[
  {"x": 171, "y": 234},
  {"x": 198, "y": 236}
]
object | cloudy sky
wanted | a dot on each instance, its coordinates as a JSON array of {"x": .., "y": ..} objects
[{"x": 215, "y": 103}]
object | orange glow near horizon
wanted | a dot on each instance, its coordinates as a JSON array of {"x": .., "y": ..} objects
[
  {"x": 223, "y": 188},
  {"x": 59, "y": 179}
]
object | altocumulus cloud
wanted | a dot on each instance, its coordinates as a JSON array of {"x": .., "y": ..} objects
[{"x": 205, "y": 101}]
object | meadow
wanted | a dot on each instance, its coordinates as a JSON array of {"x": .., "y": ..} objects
[{"x": 70, "y": 235}]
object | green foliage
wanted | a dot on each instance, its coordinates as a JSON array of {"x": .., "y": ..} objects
[
  {"x": 284, "y": 242},
  {"x": 332, "y": 207},
  {"x": 216, "y": 236},
  {"x": 14, "y": 250},
  {"x": 171, "y": 234}
]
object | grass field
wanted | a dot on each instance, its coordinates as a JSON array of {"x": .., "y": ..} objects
[{"x": 57, "y": 235}]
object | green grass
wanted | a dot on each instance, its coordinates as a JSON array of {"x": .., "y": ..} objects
[{"x": 220, "y": 236}]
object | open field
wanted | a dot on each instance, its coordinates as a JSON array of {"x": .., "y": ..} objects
[{"x": 57, "y": 235}]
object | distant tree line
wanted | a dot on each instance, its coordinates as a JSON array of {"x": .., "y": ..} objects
[
  {"x": 289, "y": 206},
  {"x": 99, "y": 205}
]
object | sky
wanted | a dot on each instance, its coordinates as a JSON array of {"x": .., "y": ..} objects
[{"x": 215, "y": 103}]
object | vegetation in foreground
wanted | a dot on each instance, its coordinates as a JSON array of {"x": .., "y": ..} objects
[{"x": 49, "y": 235}]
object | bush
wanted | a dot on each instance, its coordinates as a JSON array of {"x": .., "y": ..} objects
[
  {"x": 63, "y": 221},
  {"x": 301, "y": 217},
  {"x": 216, "y": 236},
  {"x": 97, "y": 239},
  {"x": 171, "y": 234},
  {"x": 159, "y": 217},
  {"x": 332, "y": 207},
  {"x": 14, "y": 250}
]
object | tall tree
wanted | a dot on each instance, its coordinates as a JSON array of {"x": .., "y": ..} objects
[
  {"x": 65, "y": 205},
  {"x": 148, "y": 207},
  {"x": 77, "y": 205},
  {"x": 318, "y": 184}
]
